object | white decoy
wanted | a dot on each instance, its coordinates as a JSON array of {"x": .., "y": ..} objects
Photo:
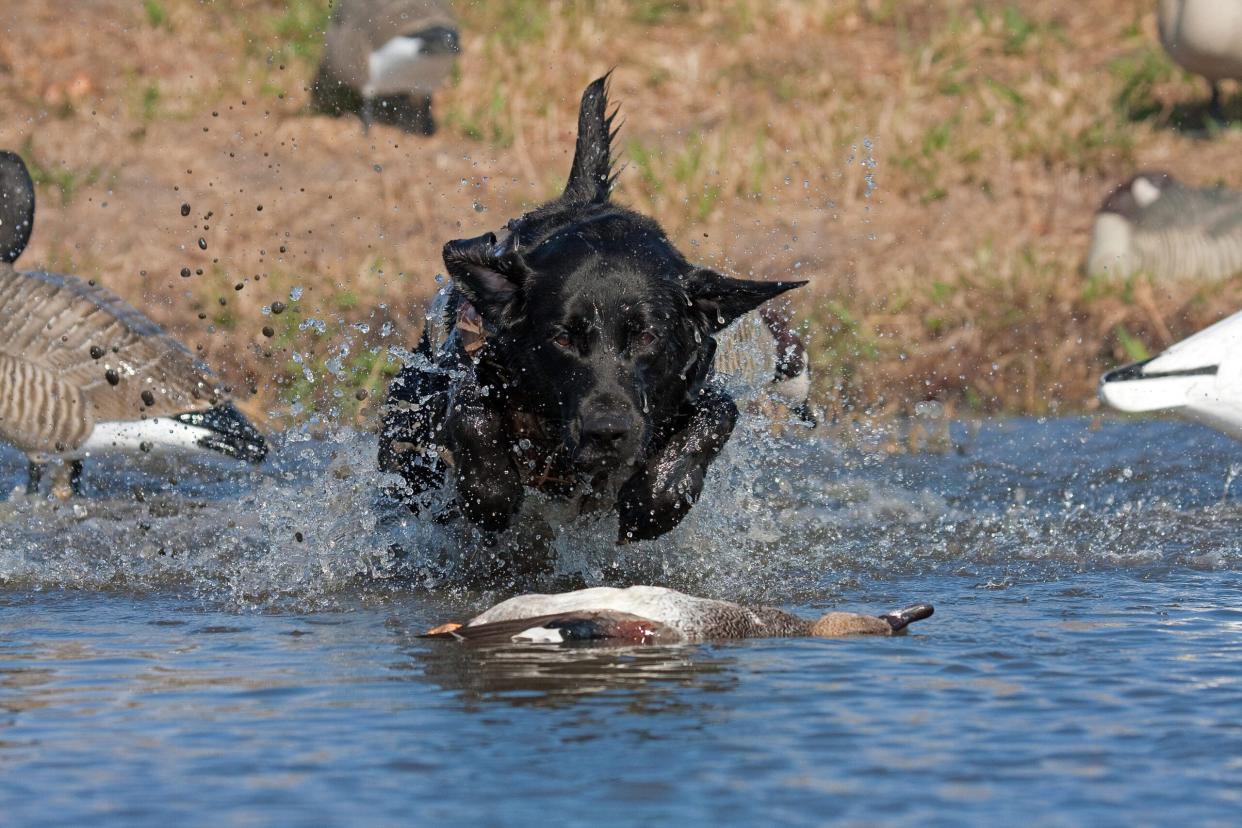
[
  {"x": 1199, "y": 378},
  {"x": 1154, "y": 224},
  {"x": 656, "y": 615},
  {"x": 1205, "y": 37},
  {"x": 385, "y": 59},
  {"x": 83, "y": 372}
]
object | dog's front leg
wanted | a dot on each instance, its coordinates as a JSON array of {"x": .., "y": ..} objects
[
  {"x": 489, "y": 488},
  {"x": 660, "y": 494}
]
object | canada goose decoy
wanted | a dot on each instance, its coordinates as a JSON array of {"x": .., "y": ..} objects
[
  {"x": 1154, "y": 224},
  {"x": 1205, "y": 37},
  {"x": 384, "y": 58},
  {"x": 761, "y": 353},
  {"x": 656, "y": 615},
  {"x": 1199, "y": 378},
  {"x": 82, "y": 371}
]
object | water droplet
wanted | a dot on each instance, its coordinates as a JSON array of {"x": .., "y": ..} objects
[
  {"x": 185, "y": 209},
  {"x": 202, "y": 243}
]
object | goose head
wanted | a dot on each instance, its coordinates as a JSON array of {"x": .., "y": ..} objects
[
  {"x": 17, "y": 206},
  {"x": 1140, "y": 192},
  {"x": 1112, "y": 249}
]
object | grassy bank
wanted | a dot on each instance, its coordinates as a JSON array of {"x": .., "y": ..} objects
[{"x": 932, "y": 168}]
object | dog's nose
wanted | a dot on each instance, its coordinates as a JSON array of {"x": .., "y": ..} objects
[{"x": 603, "y": 431}]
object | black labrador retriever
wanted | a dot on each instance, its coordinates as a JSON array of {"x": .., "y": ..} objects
[{"x": 576, "y": 359}]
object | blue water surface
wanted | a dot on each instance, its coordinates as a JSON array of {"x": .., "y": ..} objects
[{"x": 184, "y": 660}]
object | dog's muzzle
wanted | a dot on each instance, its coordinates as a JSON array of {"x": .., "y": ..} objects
[{"x": 606, "y": 439}]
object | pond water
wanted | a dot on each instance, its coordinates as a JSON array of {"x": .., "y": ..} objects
[{"x": 242, "y": 648}]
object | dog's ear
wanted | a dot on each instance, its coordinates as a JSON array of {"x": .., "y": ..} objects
[
  {"x": 489, "y": 273},
  {"x": 721, "y": 299},
  {"x": 591, "y": 177}
]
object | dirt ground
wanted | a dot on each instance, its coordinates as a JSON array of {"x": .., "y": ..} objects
[{"x": 932, "y": 167}]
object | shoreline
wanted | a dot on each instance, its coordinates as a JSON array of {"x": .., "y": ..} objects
[{"x": 933, "y": 170}]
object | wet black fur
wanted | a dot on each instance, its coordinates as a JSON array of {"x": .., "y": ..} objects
[{"x": 600, "y": 331}]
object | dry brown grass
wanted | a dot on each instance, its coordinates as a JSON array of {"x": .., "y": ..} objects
[{"x": 932, "y": 167}]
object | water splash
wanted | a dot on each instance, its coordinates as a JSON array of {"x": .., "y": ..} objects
[{"x": 788, "y": 515}]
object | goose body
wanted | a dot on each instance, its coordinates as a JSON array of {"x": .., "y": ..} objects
[
  {"x": 760, "y": 358},
  {"x": 1154, "y": 224},
  {"x": 84, "y": 372},
  {"x": 1199, "y": 378},
  {"x": 656, "y": 615},
  {"x": 1205, "y": 37},
  {"x": 385, "y": 59}
]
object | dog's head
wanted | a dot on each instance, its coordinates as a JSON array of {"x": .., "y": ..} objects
[{"x": 598, "y": 322}]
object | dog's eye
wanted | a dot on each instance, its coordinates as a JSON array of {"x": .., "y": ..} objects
[
  {"x": 647, "y": 338},
  {"x": 563, "y": 340}
]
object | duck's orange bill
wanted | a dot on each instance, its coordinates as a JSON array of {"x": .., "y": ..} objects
[{"x": 443, "y": 628}]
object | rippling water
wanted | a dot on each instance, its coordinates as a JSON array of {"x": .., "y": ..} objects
[{"x": 245, "y": 649}]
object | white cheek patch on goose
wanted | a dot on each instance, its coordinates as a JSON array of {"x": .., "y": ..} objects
[
  {"x": 795, "y": 389},
  {"x": 1144, "y": 192},
  {"x": 386, "y": 62}
]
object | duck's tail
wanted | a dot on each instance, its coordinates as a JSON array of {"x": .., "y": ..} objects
[{"x": 17, "y": 206}]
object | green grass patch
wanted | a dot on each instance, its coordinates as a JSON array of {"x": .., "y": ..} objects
[
  {"x": 61, "y": 179},
  {"x": 1134, "y": 348},
  {"x": 157, "y": 14},
  {"x": 301, "y": 27}
]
